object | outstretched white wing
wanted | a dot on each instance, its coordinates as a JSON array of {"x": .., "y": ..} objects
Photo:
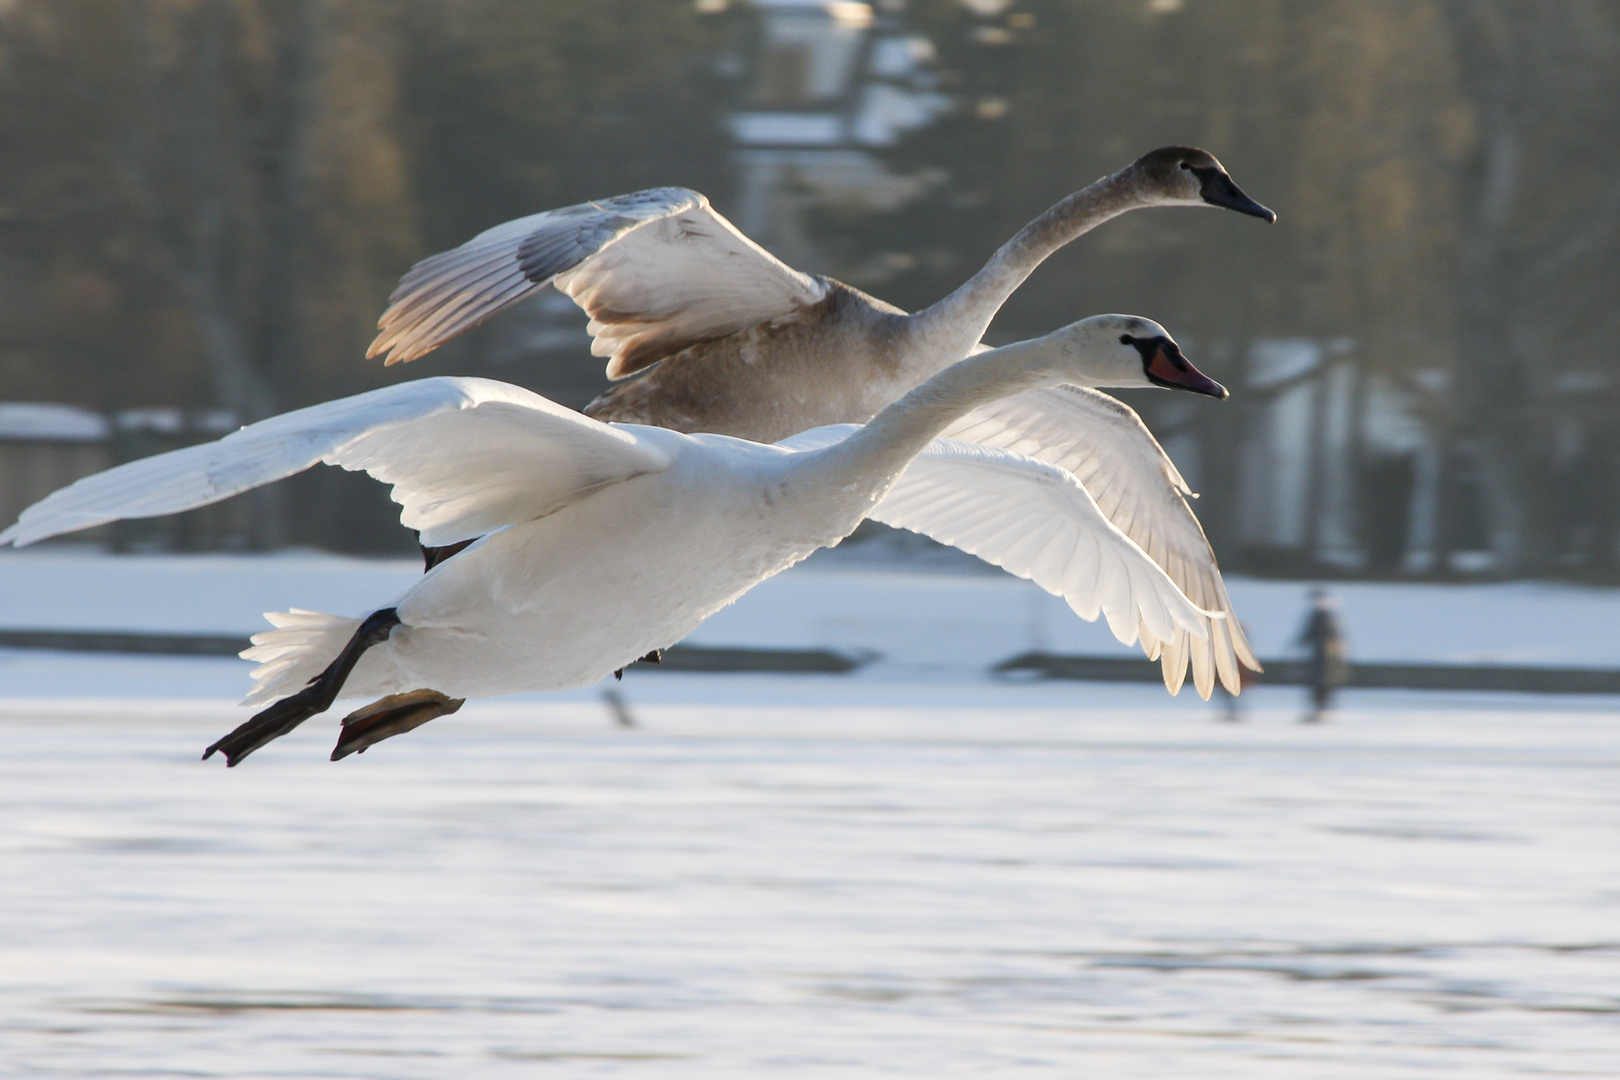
[
  {"x": 1035, "y": 520},
  {"x": 466, "y": 456},
  {"x": 1104, "y": 443},
  {"x": 656, "y": 271}
]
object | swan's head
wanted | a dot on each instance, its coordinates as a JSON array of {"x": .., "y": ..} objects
[
  {"x": 1126, "y": 351},
  {"x": 1186, "y": 174}
]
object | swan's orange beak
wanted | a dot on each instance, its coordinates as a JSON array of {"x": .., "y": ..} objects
[{"x": 1167, "y": 367}]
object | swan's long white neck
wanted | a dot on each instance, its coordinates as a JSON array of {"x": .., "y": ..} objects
[
  {"x": 945, "y": 332},
  {"x": 873, "y": 456}
]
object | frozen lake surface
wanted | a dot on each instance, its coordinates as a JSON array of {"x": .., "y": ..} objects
[
  {"x": 812, "y": 876},
  {"x": 912, "y": 871}
]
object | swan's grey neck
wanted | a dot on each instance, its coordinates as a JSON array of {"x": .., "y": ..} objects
[
  {"x": 943, "y": 333},
  {"x": 881, "y": 450}
]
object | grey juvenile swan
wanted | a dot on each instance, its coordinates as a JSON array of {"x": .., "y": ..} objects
[{"x": 745, "y": 345}]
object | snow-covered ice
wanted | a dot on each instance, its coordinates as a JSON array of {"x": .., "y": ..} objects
[
  {"x": 1002, "y": 880},
  {"x": 916, "y": 870}
]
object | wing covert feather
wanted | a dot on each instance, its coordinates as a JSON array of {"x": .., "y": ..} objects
[{"x": 656, "y": 271}]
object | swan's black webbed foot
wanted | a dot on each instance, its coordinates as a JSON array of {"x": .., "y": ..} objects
[
  {"x": 393, "y": 715},
  {"x": 654, "y": 657},
  {"x": 317, "y": 697}
]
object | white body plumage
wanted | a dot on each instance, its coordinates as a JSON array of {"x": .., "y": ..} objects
[{"x": 570, "y": 598}]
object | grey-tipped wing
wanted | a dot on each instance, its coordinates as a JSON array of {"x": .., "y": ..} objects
[
  {"x": 465, "y": 456},
  {"x": 1105, "y": 445},
  {"x": 655, "y": 270}
]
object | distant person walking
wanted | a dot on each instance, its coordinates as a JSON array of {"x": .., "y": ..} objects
[{"x": 1328, "y": 668}]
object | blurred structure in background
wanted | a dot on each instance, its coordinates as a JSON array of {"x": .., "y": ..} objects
[
  {"x": 829, "y": 82},
  {"x": 44, "y": 447},
  {"x": 206, "y": 204}
]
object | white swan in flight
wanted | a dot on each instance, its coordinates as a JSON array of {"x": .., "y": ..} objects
[
  {"x": 601, "y": 543},
  {"x": 741, "y": 344}
]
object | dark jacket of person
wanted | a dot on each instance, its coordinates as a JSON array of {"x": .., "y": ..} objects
[{"x": 1328, "y": 666}]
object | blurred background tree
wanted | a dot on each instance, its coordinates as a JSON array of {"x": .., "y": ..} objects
[
  {"x": 206, "y": 203},
  {"x": 1449, "y": 235}
]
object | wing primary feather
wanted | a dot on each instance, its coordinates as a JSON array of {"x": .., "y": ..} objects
[
  {"x": 420, "y": 303},
  {"x": 452, "y": 320},
  {"x": 1175, "y": 663},
  {"x": 1225, "y": 663},
  {"x": 531, "y": 456},
  {"x": 420, "y": 315},
  {"x": 1203, "y": 669}
]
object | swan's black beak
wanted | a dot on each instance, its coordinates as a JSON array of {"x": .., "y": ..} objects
[
  {"x": 1164, "y": 365},
  {"x": 1217, "y": 189}
]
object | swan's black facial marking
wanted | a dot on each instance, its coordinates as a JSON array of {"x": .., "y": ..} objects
[
  {"x": 1163, "y": 365},
  {"x": 1217, "y": 189}
]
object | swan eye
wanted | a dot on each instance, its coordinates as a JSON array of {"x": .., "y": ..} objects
[
  {"x": 1187, "y": 165},
  {"x": 1126, "y": 339}
]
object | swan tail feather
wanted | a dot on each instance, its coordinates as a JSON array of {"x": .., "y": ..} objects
[{"x": 300, "y": 647}]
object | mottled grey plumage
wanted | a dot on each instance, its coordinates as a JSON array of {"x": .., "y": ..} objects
[
  {"x": 843, "y": 359},
  {"x": 844, "y": 356}
]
